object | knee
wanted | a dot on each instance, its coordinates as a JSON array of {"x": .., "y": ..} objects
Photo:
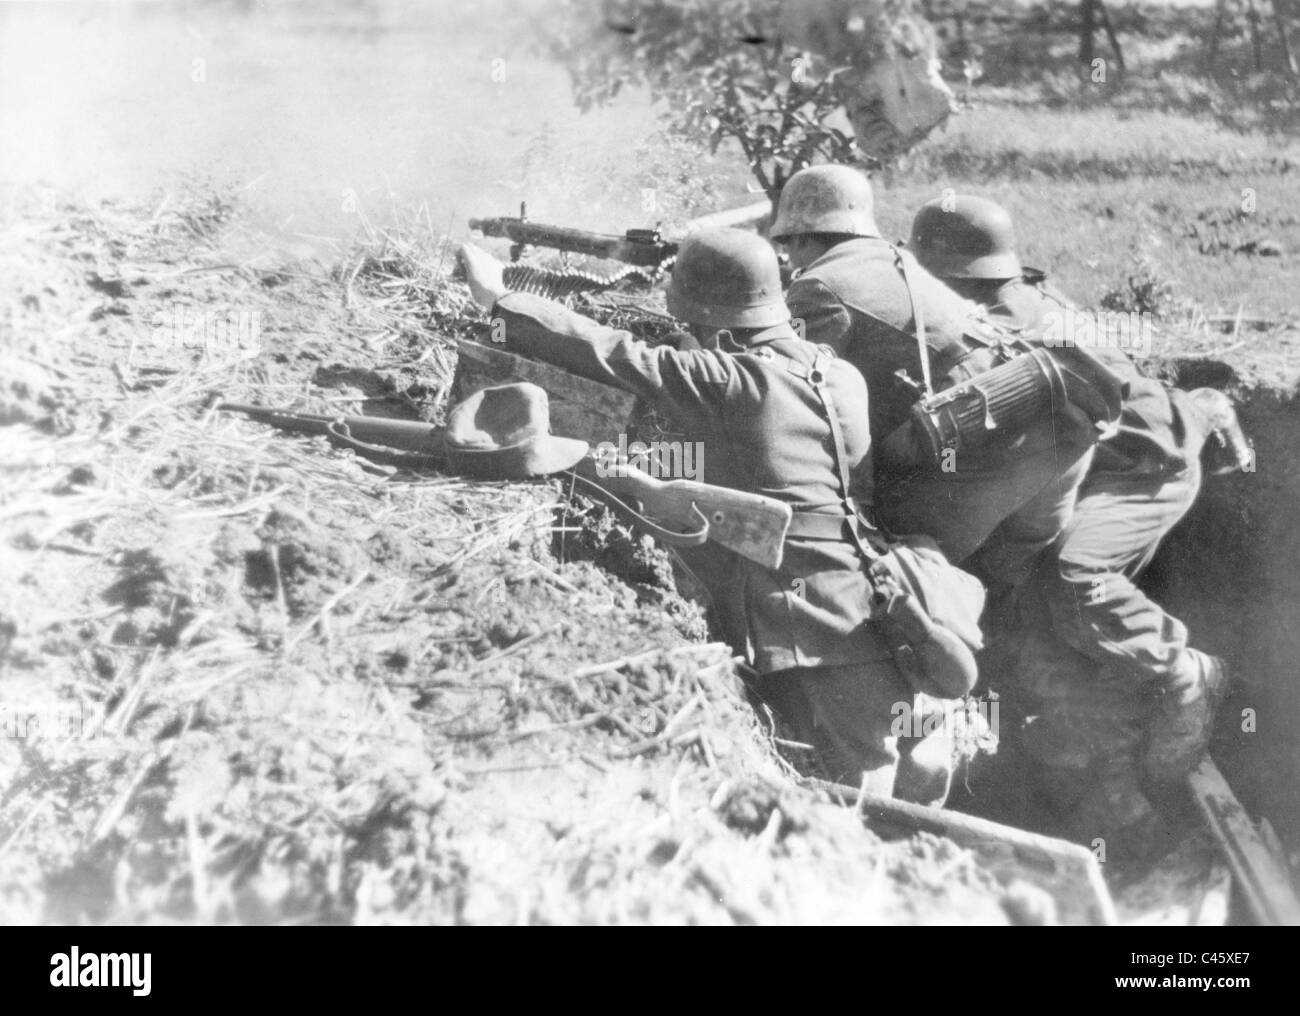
[{"x": 1071, "y": 592}]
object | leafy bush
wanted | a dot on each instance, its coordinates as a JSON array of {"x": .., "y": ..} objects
[
  {"x": 719, "y": 77},
  {"x": 1144, "y": 291}
]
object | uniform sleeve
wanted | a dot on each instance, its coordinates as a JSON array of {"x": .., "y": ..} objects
[
  {"x": 682, "y": 382},
  {"x": 825, "y": 320}
]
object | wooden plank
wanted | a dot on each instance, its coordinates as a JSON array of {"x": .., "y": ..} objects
[
  {"x": 1067, "y": 871},
  {"x": 1264, "y": 882},
  {"x": 580, "y": 407},
  {"x": 1190, "y": 885}
]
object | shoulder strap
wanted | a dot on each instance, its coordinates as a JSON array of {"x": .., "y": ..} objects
[
  {"x": 923, "y": 348},
  {"x": 977, "y": 334},
  {"x": 816, "y": 377}
]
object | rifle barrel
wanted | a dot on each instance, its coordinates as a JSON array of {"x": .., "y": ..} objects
[{"x": 394, "y": 435}]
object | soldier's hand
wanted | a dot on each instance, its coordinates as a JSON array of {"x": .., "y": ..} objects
[{"x": 483, "y": 273}]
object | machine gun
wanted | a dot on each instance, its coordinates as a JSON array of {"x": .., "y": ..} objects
[
  {"x": 644, "y": 251},
  {"x": 749, "y": 524}
]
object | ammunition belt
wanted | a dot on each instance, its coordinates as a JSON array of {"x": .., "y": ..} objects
[{"x": 555, "y": 285}]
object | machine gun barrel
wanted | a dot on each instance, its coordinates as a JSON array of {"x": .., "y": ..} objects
[{"x": 644, "y": 248}]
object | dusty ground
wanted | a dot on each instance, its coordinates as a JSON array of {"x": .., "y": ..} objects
[{"x": 311, "y": 690}]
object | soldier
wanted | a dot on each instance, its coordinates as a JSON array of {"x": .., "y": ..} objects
[
  {"x": 863, "y": 297},
  {"x": 1118, "y": 692},
  {"x": 772, "y": 412}
]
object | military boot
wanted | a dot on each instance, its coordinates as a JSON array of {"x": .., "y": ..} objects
[
  {"x": 925, "y": 769},
  {"x": 1230, "y": 450},
  {"x": 1184, "y": 720}
]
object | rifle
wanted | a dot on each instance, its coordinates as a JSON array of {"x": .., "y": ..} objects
[{"x": 752, "y": 525}]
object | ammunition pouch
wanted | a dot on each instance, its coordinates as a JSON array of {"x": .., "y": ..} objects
[{"x": 928, "y": 610}]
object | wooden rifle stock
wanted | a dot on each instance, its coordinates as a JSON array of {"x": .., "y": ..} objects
[{"x": 752, "y": 525}]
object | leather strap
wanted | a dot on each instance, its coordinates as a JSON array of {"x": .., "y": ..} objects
[
  {"x": 339, "y": 432},
  {"x": 850, "y": 510},
  {"x": 850, "y": 520},
  {"x": 668, "y": 536},
  {"x": 923, "y": 347},
  {"x": 951, "y": 360},
  {"x": 820, "y": 525}
]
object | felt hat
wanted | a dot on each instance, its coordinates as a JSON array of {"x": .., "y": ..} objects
[{"x": 504, "y": 433}]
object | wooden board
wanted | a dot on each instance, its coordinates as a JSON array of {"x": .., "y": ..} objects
[
  {"x": 1068, "y": 872},
  {"x": 1188, "y": 886},
  {"x": 580, "y": 407},
  {"x": 1262, "y": 878}
]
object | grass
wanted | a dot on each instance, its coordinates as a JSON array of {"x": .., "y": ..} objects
[{"x": 1101, "y": 177}]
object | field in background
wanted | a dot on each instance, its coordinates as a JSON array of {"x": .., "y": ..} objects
[
  {"x": 1093, "y": 196},
  {"x": 325, "y": 121}
]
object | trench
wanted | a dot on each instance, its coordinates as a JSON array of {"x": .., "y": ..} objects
[{"x": 1231, "y": 571}]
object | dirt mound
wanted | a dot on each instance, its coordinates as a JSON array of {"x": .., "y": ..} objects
[
  {"x": 260, "y": 680},
  {"x": 297, "y": 561}
]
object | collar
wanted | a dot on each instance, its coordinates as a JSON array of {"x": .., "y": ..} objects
[{"x": 774, "y": 334}]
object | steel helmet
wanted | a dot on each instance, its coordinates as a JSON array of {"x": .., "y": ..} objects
[
  {"x": 963, "y": 237},
  {"x": 727, "y": 278},
  {"x": 826, "y": 199}
]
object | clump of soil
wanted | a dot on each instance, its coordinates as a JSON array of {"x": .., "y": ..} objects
[
  {"x": 296, "y": 560},
  {"x": 587, "y": 530},
  {"x": 157, "y": 592},
  {"x": 29, "y": 392}
]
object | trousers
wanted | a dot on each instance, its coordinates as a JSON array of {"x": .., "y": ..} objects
[
  {"x": 1095, "y": 647},
  {"x": 1010, "y": 508},
  {"x": 1089, "y": 588}
]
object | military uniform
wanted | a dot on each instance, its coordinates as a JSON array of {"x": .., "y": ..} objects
[
  {"x": 1012, "y": 502},
  {"x": 1097, "y": 645},
  {"x": 1094, "y": 646},
  {"x": 765, "y": 430},
  {"x": 1143, "y": 480}
]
